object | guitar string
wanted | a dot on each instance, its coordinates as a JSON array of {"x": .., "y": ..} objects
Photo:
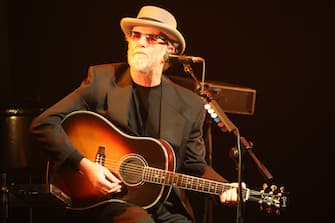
[
  {"x": 154, "y": 175},
  {"x": 135, "y": 170}
]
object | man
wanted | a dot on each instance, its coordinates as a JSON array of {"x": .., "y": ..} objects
[{"x": 137, "y": 96}]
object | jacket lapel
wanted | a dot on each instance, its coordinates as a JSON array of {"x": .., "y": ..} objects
[
  {"x": 172, "y": 118},
  {"x": 119, "y": 96}
]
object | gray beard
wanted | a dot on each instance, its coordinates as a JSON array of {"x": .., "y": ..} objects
[{"x": 141, "y": 66}]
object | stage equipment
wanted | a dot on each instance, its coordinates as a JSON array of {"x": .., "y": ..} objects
[
  {"x": 233, "y": 99},
  {"x": 17, "y": 148}
]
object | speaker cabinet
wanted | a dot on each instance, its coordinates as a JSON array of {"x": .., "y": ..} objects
[{"x": 232, "y": 99}]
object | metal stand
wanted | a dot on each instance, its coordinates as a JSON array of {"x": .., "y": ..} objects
[
  {"x": 4, "y": 198},
  {"x": 247, "y": 147},
  {"x": 208, "y": 207}
]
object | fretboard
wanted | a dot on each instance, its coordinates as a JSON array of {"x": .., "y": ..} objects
[{"x": 163, "y": 177}]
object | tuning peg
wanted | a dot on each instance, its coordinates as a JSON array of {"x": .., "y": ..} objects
[
  {"x": 282, "y": 189},
  {"x": 273, "y": 187},
  {"x": 265, "y": 186}
]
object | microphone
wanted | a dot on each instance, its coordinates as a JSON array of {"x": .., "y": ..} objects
[{"x": 184, "y": 59}]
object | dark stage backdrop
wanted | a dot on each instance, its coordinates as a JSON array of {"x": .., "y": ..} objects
[{"x": 280, "y": 48}]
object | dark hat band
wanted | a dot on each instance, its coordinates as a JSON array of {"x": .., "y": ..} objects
[{"x": 151, "y": 19}]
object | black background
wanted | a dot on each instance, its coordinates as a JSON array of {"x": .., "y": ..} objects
[{"x": 283, "y": 49}]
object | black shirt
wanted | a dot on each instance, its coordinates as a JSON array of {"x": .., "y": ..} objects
[{"x": 145, "y": 112}]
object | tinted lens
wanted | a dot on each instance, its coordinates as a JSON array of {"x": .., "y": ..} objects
[
  {"x": 150, "y": 38},
  {"x": 135, "y": 35}
]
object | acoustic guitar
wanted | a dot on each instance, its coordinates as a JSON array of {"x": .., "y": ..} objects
[{"x": 145, "y": 165}]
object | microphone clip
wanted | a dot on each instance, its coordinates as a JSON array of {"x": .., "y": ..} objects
[{"x": 172, "y": 58}]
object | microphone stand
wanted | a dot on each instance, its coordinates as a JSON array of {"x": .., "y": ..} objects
[
  {"x": 248, "y": 147},
  {"x": 225, "y": 124},
  {"x": 4, "y": 198}
]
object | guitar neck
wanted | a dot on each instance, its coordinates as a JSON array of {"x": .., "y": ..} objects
[{"x": 163, "y": 177}]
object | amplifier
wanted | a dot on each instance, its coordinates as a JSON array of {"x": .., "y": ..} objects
[{"x": 232, "y": 98}]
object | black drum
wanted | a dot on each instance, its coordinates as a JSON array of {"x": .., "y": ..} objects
[{"x": 19, "y": 152}]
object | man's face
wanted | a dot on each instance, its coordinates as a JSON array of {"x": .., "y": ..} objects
[{"x": 147, "y": 47}]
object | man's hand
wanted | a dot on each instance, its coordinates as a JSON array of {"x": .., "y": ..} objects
[
  {"x": 230, "y": 195},
  {"x": 101, "y": 179}
]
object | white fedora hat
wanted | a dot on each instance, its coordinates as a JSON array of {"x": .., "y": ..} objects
[{"x": 156, "y": 17}]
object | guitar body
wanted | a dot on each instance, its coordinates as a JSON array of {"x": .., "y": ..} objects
[{"x": 125, "y": 156}]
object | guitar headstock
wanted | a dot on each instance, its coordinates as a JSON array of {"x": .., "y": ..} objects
[{"x": 273, "y": 199}]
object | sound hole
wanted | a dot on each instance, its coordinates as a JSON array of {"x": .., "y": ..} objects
[{"x": 131, "y": 170}]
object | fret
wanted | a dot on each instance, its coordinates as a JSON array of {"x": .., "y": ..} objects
[
  {"x": 151, "y": 178},
  {"x": 213, "y": 187},
  {"x": 201, "y": 184},
  {"x": 179, "y": 179},
  {"x": 195, "y": 182},
  {"x": 155, "y": 176},
  {"x": 174, "y": 179},
  {"x": 144, "y": 176},
  {"x": 169, "y": 178},
  {"x": 183, "y": 183},
  {"x": 147, "y": 174},
  {"x": 206, "y": 185},
  {"x": 188, "y": 181},
  {"x": 220, "y": 189},
  {"x": 158, "y": 176},
  {"x": 166, "y": 178}
]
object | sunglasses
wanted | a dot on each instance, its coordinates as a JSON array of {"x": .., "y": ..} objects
[{"x": 150, "y": 38}]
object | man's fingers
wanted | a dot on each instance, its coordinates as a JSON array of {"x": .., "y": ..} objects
[
  {"x": 111, "y": 177},
  {"x": 230, "y": 196},
  {"x": 116, "y": 188}
]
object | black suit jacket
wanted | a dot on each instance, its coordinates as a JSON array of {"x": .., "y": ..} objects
[{"x": 107, "y": 90}]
